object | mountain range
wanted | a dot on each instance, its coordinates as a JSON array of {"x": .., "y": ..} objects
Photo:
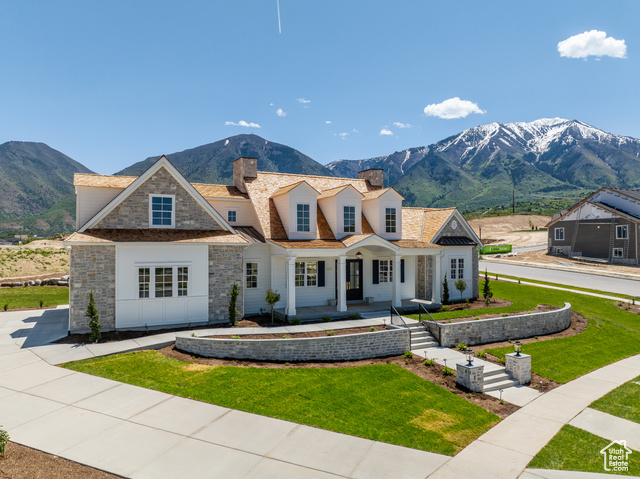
[{"x": 478, "y": 168}]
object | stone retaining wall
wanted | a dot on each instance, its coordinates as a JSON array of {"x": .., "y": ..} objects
[
  {"x": 484, "y": 331},
  {"x": 390, "y": 342}
]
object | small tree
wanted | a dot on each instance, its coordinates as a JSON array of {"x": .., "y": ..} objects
[
  {"x": 272, "y": 298},
  {"x": 4, "y": 439},
  {"x": 94, "y": 317},
  {"x": 486, "y": 289},
  {"x": 233, "y": 312},
  {"x": 445, "y": 291},
  {"x": 460, "y": 285}
]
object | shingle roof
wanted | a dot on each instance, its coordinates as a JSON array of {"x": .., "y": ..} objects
[
  {"x": 155, "y": 235},
  {"x": 422, "y": 224},
  {"x": 373, "y": 194},
  {"x": 334, "y": 191}
]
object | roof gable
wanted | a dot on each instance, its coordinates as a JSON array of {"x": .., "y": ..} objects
[
  {"x": 375, "y": 194},
  {"x": 130, "y": 208}
]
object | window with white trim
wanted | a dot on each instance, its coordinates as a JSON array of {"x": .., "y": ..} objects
[
  {"x": 164, "y": 282},
  {"x": 232, "y": 216},
  {"x": 183, "y": 280},
  {"x": 144, "y": 282},
  {"x": 349, "y": 219},
  {"x": 390, "y": 220},
  {"x": 161, "y": 211},
  {"x": 559, "y": 232},
  {"x": 618, "y": 252},
  {"x": 303, "y": 217},
  {"x": 457, "y": 268},
  {"x": 251, "y": 274},
  {"x": 621, "y": 232},
  {"x": 306, "y": 273},
  {"x": 385, "y": 271}
]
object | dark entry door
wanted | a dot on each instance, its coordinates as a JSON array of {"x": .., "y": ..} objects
[{"x": 354, "y": 279}]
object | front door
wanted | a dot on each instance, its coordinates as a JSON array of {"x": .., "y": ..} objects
[{"x": 354, "y": 279}]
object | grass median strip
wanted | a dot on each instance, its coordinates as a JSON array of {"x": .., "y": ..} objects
[
  {"x": 623, "y": 401},
  {"x": 21, "y": 297},
  {"x": 380, "y": 402}
]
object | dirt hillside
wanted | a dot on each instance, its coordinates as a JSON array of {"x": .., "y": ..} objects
[{"x": 514, "y": 229}]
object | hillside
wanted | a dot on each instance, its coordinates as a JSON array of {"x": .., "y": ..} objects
[{"x": 213, "y": 163}]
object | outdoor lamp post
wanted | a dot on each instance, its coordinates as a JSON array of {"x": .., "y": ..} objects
[
  {"x": 469, "y": 356},
  {"x": 518, "y": 347}
]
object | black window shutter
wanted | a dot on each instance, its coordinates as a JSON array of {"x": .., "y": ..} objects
[
  {"x": 402, "y": 271},
  {"x": 321, "y": 274},
  {"x": 376, "y": 271}
]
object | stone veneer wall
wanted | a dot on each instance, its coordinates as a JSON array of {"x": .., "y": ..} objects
[
  {"x": 92, "y": 268},
  {"x": 133, "y": 212},
  {"x": 424, "y": 283},
  {"x": 225, "y": 268},
  {"x": 390, "y": 342},
  {"x": 484, "y": 331}
]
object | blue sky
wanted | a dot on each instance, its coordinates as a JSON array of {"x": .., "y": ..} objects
[{"x": 111, "y": 83}]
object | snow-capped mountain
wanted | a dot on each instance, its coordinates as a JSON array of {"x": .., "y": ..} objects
[{"x": 549, "y": 156}]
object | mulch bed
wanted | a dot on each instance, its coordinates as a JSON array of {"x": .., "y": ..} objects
[
  {"x": 632, "y": 308},
  {"x": 477, "y": 303},
  {"x": 309, "y": 334},
  {"x": 415, "y": 365},
  {"x": 21, "y": 461},
  {"x": 538, "y": 309}
]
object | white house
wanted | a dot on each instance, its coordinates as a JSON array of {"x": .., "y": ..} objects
[{"x": 159, "y": 250}]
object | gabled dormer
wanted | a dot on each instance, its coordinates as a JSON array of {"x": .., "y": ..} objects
[
  {"x": 342, "y": 207},
  {"x": 383, "y": 210},
  {"x": 297, "y": 206}
]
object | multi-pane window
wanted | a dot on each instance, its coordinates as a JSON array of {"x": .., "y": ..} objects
[
  {"x": 183, "y": 280},
  {"x": 390, "y": 220},
  {"x": 161, "y": 211},
  {"x": 618, "y": 252},
  {"x": 349, "y": 219},
  {"x": 386, "y": 271},
  {"x": 303, "y": 217},
  {"x": 232, "y": 216},
  {"x": 457, "y": 268},
  {"x": 306, "y": 273},
  {"x": 164, "y": 282},
  {"x": 559, "y": 234},
  {"x": 621, "y": 232},
  {"x": 144, "y": 281},
  {"x": 252, "y": 275}
]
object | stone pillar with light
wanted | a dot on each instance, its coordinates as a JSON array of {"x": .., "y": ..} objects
[
  {"x": 519, "y": 365},
  {"x": 469, "y": 375}
]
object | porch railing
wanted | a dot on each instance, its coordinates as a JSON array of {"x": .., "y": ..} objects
[
  {"x": 435, "y": 325},
  {"x": 397, "y": 320}
]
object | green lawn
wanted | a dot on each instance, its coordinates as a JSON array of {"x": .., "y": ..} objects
[
  {"x": 380, "y": 402},
  {"x": 623, "y": 401},
  {"x": 573, "y": 449},
  {"x": 612, "y": 334},
  {"x": 30, "y": 297}
]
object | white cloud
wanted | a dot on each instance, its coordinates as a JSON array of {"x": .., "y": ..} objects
[
  {"x": 342, "y": 135},
  {"x": 355, "y": 131},
  {"x": 328, "y": 122},
  {"x": 452, "y": 108},
  {"x": 592, "y": 43},
  {"x": 280, "y": 112},
  {"x": 401, "y": 125},
  {"x": 386, "y": 132},
  {"x": 242, "y": 123},
  {"x": 270, "y": 104},
  {"x": 304, "y": 101}
]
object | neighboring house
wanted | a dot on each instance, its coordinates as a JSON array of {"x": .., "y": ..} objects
[
  {"x": 158, "y": 250},
  {"x": 603, "y": 225}
]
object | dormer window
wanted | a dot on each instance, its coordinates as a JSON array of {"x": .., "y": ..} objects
[
  {"x": 303, "y": 217},
  {"x": 162, "y": 211},
  {"x": 232, "y": 216},
  {"x": 390, "y": 220},
  {"x": 349, "y": 219}
]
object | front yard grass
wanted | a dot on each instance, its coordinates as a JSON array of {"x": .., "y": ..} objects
[
  {"x": 21, "y": 297},
  {"x": 380, "y": 402},
  {"x": 623, "y": 401},
  {"x": 574, "y": 449}
]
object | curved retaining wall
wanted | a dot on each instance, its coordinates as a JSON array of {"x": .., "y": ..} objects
[
  {"x": 390, "y": 342},
  {"x": 484, "y": 331}
]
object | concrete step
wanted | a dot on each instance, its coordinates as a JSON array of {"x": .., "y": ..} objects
[
  {"x": 424, "y": 345},
  {"x": 507, "y": 383},
  {"x": 420, "y": 335},
  {"x": 494, "y": 372},
  {"x": 496, "y": 378}
]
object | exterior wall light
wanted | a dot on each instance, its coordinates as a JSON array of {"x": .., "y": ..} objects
[{"x": 359, "y": 255}]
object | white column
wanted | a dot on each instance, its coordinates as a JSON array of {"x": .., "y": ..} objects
[
  {"x": 397, "y": 285},
  {"x": 342, "y": 283},
  {"x": 437, "y": 279},
  {"x": 291, "y": 286}
]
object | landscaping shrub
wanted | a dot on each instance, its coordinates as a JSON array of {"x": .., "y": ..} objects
[
  {"x": 429, "y": 362},
  {"x": 94, "y": 323},
  {"x": 486, "y": 289},
  {"x": 372, "y": 329},
  {"x": 6, "y": 306},
  {"x": 295, "y": 321},
  {"x": 233, "y": 312},
  {"x": 445, "y": 291},
  {"x": 326, "y": 319},
  {"x": 481, "y": 354},
  {"x": 41, "y": 303},
  {"x": 408, "y": 354},
  {"x": 272, "y": 298},
  {"x": 462, "y": 346},
  {"x": 444, "y": 309},
  {"x": 447, "y": 371},
  {"x": 354, "y": 316},
  {"x": 460, "y": 285},
  {"x": 331, "y": 333},
  {"x": 4, "y": 439}
]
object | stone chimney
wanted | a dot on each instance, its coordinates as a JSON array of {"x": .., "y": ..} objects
[
  {"x": 244, "y": 168},
  {"x": 374, "y": 175}
]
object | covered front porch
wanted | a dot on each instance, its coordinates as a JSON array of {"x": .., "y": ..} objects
[{"x": 366, "y": 310}]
